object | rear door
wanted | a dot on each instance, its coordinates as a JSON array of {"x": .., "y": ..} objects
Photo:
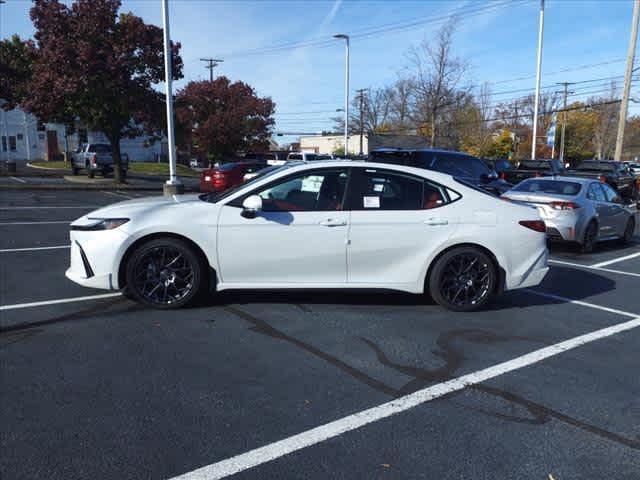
[
  {"x": 397, "y": 220},
  {"x": 597, "y": 195}
]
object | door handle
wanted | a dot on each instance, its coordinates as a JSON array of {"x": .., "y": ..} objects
[
  {"x": 333, "y": 223},
  {"x": 435, "y": 221}
]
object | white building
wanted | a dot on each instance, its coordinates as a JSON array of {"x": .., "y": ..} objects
[
  {"x": 24, "y": 138},
  {"x": 327, "y": 144}
]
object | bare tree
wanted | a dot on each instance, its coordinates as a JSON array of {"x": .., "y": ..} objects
[
  {"x": 604, "y": 134},
  {"x": 401, "y": 104},
  {"x": 436, "y": 77}
]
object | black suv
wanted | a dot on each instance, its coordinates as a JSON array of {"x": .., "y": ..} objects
[{"x": 459, "y": 165}]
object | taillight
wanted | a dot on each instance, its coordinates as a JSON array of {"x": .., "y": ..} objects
[
  {"x": 564, "y": 205},
  {"x": 502, "y": 176},
  {"x": 537, "y": 225},
  {"x": 603, "y": 179},
  {"x": 94, "y": 159}
]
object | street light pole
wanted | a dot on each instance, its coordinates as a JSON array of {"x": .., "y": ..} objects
[
  {"x": 539, "y": 67},
  {"x": 173, "y": 186},
  {"x": 346, "y": 91}
]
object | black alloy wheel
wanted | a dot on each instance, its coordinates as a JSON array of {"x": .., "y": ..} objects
[
  {"x": 165, "y": 273},
  {"x": 590, "y": 237},
  {"x": 463, "y": 279}
]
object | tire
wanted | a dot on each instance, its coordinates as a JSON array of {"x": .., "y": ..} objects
[
  {"x": 123, "y": 176},
  {"x": 165, "y": 273},
  {"x": 590, "y": 237},
  {"x": 91, "y": 173},
  {"x": 627, "y": 236},
  {"x": 74, "y": 170},
  {"x": 463, "y": 279}
]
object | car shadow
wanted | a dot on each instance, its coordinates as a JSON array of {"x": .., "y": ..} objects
[
  {"x": 560, "y": 281},
  {"x": 572, "y": 250}
]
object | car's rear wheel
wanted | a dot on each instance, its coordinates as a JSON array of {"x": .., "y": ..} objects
[
  {"x": 74, "y": 170},
  {"x": 463, "y": 279},
  {"x": 91, "y": 173},
  {"x": 165, "y": 273},
  {"x": 590, "y": 237},
  {"x": 628, "y": 231}
]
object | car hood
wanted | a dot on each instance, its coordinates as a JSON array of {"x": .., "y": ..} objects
[{"x": 139, "y": 206}]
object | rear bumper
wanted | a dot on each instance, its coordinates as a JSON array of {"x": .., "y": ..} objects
[{"x": 532, "y": 276}]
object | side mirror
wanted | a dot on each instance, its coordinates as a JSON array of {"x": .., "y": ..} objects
[{"x": 251, "y": 206}]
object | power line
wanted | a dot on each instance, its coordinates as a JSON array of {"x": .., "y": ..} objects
[{"x": 463, "y": 13}]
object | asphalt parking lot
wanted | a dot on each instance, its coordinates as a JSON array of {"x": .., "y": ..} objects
[{"x": 312, "y": 384}]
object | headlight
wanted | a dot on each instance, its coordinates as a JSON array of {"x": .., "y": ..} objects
[{"x": 101, "y": 224}]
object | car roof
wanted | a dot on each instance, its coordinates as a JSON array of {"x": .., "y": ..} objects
[
  {"x": 422, "y": 172},
  {"x": 419, "y": 150}
]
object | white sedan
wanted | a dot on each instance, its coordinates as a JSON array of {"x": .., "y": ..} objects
[{"x": 320, "y": 225}]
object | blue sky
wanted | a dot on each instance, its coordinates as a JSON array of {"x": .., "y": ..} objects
[{"x": 307, "y": 82}]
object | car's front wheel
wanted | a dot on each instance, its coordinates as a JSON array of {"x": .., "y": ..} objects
[
  {"x": 463, "y": 279},
  {"x": 165, "y": 273}
]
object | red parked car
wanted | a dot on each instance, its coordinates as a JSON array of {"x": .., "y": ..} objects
[{"x": 227, "y": 175}]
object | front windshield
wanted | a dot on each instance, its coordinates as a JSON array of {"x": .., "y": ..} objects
[{"x": 215, "y": 197}]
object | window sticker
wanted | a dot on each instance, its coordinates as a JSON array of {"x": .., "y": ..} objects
[
  {"x": 371, "y": 202},
  {"x": 378, "y": 187}
]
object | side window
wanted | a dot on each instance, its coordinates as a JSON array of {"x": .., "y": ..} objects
[
  {"x": 595, "y": 193},
  {"x": 610, "y": 193},
  {"x": 295, "y": 157},
  {"x": 317, "y": 191},
  {"x": 385, "y": 190}
]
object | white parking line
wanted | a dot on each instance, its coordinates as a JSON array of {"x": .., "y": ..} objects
[
  {"x": 46, "y": 303},
  {"x": 18, "y": 179},
  {"x": 36, "y": 223},
  {"x": 116, "y": 194},
  {"x": 30, "y": 249},
  {"x": 600, "y": 269},
  {"x": 616, "y": 260},
  {"x": 267, "y": 453}
]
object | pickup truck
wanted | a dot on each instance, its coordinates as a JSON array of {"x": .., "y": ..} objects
[
  {"x": 529, "y": 169},
  {"x": 614, "y": 173},
  {"x": 96, "y": 157}
]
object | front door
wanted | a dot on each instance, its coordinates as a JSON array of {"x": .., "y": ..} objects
[
  {"x": 299, "y": 237},
  {"x": 616, "y": 212},
  {"x": 52, "y": 145},
  {"x": 397, "y": 220}
]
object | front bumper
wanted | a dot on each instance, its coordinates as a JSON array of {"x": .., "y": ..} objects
[{"x": 95, "y": 258}]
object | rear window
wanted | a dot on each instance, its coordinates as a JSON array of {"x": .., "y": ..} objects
[
  {"x": 459, "y": 165},
  {"x": 535, "y": 165},
  {"x": 226, "y": 167},
  {"x": 553, "y": 187},
  {"x": 596, "y": 166},
  {"x": 100, "y": 148}
]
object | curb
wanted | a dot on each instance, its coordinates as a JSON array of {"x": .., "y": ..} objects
[
  {"x": 80, "y": 187},
  {"x": 30, "y": 165}
]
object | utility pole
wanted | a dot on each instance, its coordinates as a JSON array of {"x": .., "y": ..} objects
[
  {"x": 627, "y": 81},
  {"x": 566, "y": 92},
  {"x": 361, "y": 93},
  {"x": 538, "y": 71},
  {"x": 212, "y": 63}
]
